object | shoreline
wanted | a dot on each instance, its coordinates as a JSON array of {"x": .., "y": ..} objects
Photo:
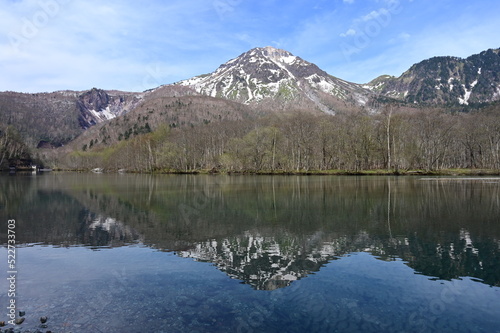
[{"x": 375, "y": 172}]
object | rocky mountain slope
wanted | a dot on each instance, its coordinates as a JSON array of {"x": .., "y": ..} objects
[
  {"x": 269, "y": 77},
  {"x": 446, "y": 80},
  {"x": 97, "y": 105},
  {"x": 53, "y": 119},
  {"x": 171, "y": 106}
]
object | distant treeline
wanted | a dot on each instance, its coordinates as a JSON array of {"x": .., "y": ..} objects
[{"x": 423, "y": 139}]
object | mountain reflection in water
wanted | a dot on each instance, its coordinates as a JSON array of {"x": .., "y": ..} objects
[{"x": 268, "y": 231}]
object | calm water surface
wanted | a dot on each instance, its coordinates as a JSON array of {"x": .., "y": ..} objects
[{"x": 176, "y": 253}]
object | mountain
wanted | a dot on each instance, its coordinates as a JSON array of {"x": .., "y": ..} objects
[
  {"x": 259, "y": 81},
  {"x": 172, "y": 106},
  {"x": 446, "y": 80},
  {"x": 274, "y": 78},
  {"x": 43, "y": 118},
  {"x": 53, "y": 119}
]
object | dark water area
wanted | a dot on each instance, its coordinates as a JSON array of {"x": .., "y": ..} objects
[{"x": 184, "y": 253}]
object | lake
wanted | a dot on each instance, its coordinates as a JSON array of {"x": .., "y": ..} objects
[{"x": 216, "y": 253}]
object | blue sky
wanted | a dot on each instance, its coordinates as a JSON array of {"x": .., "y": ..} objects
[{"x": 48, "y": 45}]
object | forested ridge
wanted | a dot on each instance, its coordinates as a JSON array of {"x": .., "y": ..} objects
[
  {"x": 443, "y": 113},
  {"x": 395, "y": 139}
]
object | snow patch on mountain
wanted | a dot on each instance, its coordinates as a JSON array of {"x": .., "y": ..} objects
[
  {"x": 465, "y": 99},
  {"x": 450, "y": 83},
  {"x": 277, "y": 75},
  {"x": 496, "y": 95},
  {"x": 104, "y": 114}
]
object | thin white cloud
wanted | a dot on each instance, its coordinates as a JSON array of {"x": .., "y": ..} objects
[
  {"x": 404, "y": 36},
  {"x": 117, "y": 44},
  {"x": 391, "y": 2},
  {"x": 128, "y": 45},
  {"x": 401, "y": 37},
  {"x": 375, "y": 14},
  {"x": 350, "y": 32},
  {"x": 396, "y": 57},
  {"x": 315, "y": 34}
]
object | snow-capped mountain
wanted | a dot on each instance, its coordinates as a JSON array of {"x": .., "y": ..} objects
[
  {"x": 278, "y": 79},
  {"x": 446, "y": 80}
]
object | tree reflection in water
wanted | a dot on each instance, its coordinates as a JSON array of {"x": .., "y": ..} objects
[{"x": 269, "y": 231}]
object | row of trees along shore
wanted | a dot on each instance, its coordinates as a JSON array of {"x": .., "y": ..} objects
[{"x": 395, "y": 139}]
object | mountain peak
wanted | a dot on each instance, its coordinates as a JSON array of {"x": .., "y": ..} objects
[
  {"x": 262, "y": 55},
  {"x": 275, "y": 54},
  {"x": 268, "y": 50},
  {"x": 446, "y": 80},
  {"x": 280, "y": 79}
]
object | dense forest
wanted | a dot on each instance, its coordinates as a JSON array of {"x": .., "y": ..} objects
[{"x": 394, "y": 139}]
